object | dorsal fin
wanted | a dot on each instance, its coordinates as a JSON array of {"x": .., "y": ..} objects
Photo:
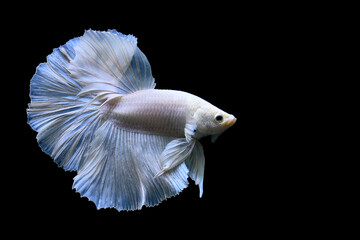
[{"x": 107, "y": 62}]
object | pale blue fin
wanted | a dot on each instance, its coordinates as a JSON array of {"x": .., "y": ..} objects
[
  {"x": 120, "y": 168},
  {"x": 179, "y": 151},
  {"x": 116, "y": 168},
  {"x": 175, "y": 153},
  {"x": 196, "y": 165},
  {"x": 63, "y": 123},
  {"x": 67, "y": 91},
  {"x": 110, "y": 61}
]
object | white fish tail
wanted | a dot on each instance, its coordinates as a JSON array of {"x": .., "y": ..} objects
[
  {"x": 64, "y": 121},
  {"x": 116, "y": 168}
]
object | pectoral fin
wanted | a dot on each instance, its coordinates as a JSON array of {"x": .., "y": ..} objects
[
  {"x": 175, "y": 153},
  {"x": 190, "y": 131},
  {"x": 178, "y": 151}
]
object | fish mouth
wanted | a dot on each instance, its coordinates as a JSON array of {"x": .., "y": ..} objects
[{"x": 231, "y": 121}]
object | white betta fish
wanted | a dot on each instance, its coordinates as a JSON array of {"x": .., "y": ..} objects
[{"x": 96, "y": 112}]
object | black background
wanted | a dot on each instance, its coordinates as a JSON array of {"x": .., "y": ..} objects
[{"x": 239, "y": 58}]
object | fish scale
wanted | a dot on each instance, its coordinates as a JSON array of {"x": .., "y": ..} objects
[{"x": 159, "y": 112}]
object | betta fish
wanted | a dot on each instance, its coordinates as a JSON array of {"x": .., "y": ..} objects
[{"x": 97, "y": 112}]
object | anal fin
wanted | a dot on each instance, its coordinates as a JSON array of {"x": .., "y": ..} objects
[{"x": 119, "y": 170}]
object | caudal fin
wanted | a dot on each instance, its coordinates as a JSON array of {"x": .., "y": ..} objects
[
  {"x": 67, "y": 91},
  {"x": 116, "y": 168}
]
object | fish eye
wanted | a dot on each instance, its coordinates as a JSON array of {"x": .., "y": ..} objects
[{"x": 219, "y": 118}]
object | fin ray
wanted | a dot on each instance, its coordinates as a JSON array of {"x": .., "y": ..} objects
[{"x": 120, "y": 168}]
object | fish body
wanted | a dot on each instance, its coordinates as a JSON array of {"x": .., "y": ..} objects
[
  {"x": 161, "y": 112},
  {"x": 96, "y": 112}
]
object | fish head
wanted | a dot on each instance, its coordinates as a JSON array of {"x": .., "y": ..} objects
[{"x": 213, "y": 121}]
